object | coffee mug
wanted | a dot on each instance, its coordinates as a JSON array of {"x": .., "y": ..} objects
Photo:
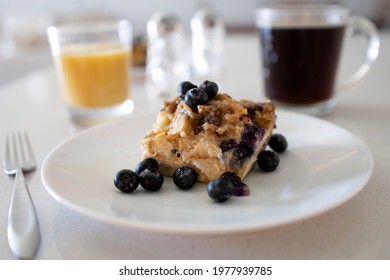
[{"x": 301, "y": 45}]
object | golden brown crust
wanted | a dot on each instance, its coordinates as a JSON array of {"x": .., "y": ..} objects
[{"x": 183, "y": 136}]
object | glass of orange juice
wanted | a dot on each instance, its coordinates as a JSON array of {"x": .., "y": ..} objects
[{"x": 93, "y": 61}]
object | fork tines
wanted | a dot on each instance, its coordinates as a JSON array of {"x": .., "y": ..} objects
[{"x": 18, "y": 152}]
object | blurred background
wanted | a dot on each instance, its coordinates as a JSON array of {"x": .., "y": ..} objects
[{"x": 23, "y": 43}]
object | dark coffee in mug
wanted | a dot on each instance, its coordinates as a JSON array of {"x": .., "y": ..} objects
[
  {"x": 300, "y": 63},
  {"x": 301, "y": 43}
]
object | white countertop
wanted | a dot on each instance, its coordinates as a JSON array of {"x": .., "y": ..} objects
[{"x": 358, "y": 229}]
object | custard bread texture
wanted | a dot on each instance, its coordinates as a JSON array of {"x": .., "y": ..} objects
[{"x": 221, "y": 136}]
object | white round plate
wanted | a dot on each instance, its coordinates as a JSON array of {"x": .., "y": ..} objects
[{"x": 324, "y": 166}]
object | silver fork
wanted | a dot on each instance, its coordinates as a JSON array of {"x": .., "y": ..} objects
[{"x": 23, "y": 227}]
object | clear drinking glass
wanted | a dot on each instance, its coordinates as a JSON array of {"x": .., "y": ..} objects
[
  {"x": 93, "y": 62},
  {"x": 208, "y": 40},
  {"x": 168, "y": 62}
]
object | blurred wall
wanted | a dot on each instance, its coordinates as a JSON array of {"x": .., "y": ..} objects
[{"x": 239, "y": 14}]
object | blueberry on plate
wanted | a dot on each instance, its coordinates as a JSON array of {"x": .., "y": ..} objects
[
  {"x": 126, "y": 180},
  {"x": 195, "y": 97},
  {"x": 239, "y": 187},
  {"x": 183, "y": 87},
  {"x": 220, "y": 189},
  {"x": 267, "y": 160},
  {"x": 151, "y": 179},
  {"x": 185, "y": 177},
  {"x": 210, "y": 88},
  {"x": 278, "y": 143},
  {"x": 145, "y": 163}
]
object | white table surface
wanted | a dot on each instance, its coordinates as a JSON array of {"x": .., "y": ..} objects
[{"x": 358, "y": 229}]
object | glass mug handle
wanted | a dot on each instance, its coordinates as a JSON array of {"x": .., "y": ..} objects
[{"x": 361, "y": 25}]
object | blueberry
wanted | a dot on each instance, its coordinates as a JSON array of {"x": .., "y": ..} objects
[
  {"x": 278, "y": 143},
  {"x": 242, "y": 151},
  {"x": 240, "y": 188},
  {"x": 145, "y": 163},
  {"x": 185, "y": 177},
  {"x": 183, "y": 87},
  {"x": 210, "y": 88},
  {"x": 195, "y": 97},
  {"x": 151, "y": 179},
  {"x": 267, "y": 160},
  {"x": 220, "y": 189},
  {"x": 251, "y": 133},
  {"x": 227, "y": 145},
  {"x": 126, "y": 180}
]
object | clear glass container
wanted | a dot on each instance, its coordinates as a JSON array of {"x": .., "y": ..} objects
[
  {"x": 168, "y": 56},
  {"x": 208, "y": 36}
]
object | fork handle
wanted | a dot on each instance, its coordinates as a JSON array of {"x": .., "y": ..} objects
[{"x": 23, "y": 227}]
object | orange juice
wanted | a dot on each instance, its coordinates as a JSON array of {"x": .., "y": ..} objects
[{"x": 95, "y": 75}]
